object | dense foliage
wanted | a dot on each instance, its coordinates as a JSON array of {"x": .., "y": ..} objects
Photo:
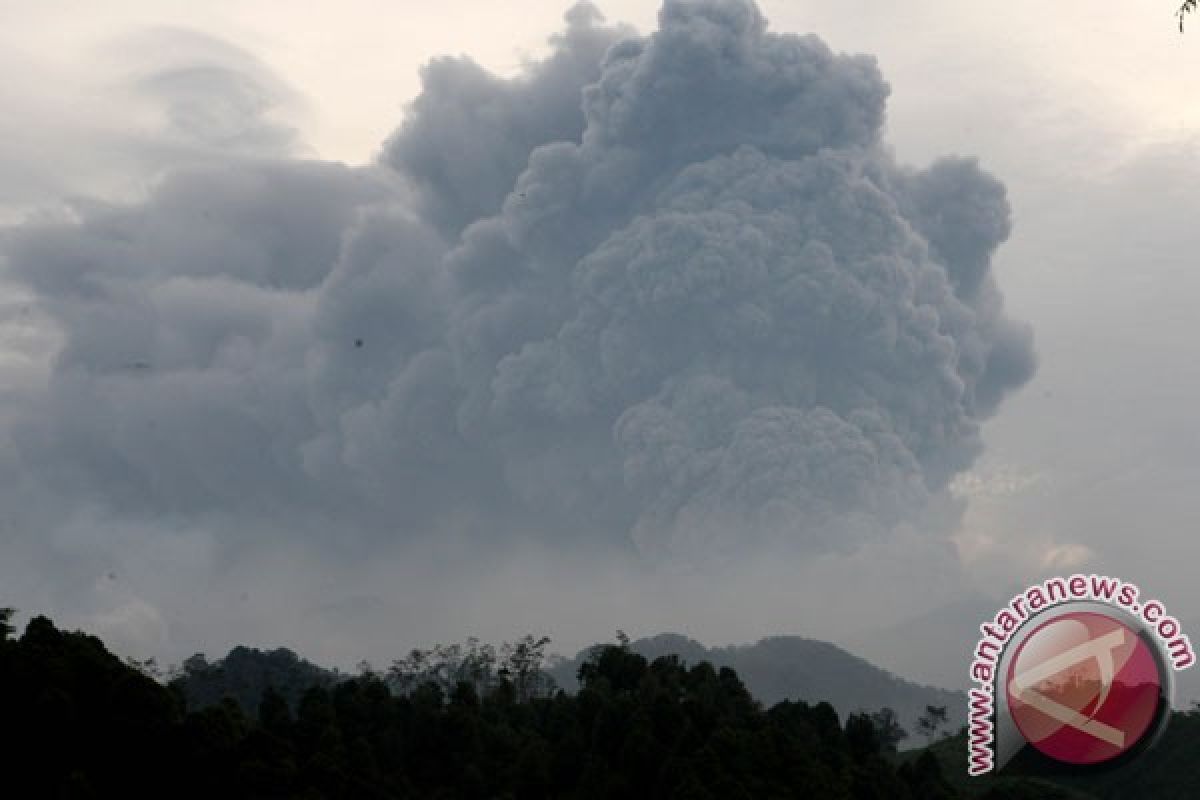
[
  {"x": 773, "y": 669},
  {"x": 471, "y": 723},
  {"x": 81, "y": 723},
  {"x": 1167, "y": 770},
  {"x": 794, "y": 668},
  {"x": 245, "y": 674}
]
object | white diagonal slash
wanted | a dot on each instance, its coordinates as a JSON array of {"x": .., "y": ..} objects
[{"x": 1100, "y": 649}]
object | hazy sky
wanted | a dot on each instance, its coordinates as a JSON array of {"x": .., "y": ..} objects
[{"x": 1085, "y": 114}]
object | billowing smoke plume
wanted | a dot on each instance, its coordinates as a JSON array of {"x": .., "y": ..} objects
[{"x": 671, "y": 290}]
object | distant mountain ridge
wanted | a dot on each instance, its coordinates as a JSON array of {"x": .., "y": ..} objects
[
  {"x": 773, "y": 669},
  {"x": 781, "y": 668}
]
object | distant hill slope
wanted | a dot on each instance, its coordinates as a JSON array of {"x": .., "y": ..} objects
[
  {"x": 946, "y": 634},
  {"x": 792, "y": 667},
  {"x": 245, "y": 674},
  {"x": 87, "y": 725},
  {"x": 774, "y": 669}
]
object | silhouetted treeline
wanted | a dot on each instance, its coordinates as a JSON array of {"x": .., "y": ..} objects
[
  {"x": 81, "y": 723},
  {"x": 471, "y": 722},
  {"x": 245, "y": 674},
  {"x": 794, "y": 668},
  {"x": 1167, "y": 771},
  {"x": 774, "y": 669}
]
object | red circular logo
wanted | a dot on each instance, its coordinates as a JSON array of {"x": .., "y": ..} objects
[{"x": 1084, "y": 688}]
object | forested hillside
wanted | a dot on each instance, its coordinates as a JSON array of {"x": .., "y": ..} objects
[
  {"x": 795, "y": 668},
  {"x": 80, "y": 723},
  {"x": 1167, "y": 770}
]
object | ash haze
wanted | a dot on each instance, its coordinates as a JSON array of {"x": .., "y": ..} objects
[{"x": 674, "y": 319}]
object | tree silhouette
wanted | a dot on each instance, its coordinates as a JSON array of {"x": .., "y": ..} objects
[
  {"x": 92, "y": 725},
  {"x": 888, "y": 729},
  {"x": 522, "y": 661},
  {"x": 929, "y": 723}
]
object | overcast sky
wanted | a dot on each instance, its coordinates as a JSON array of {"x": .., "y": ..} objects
[{"x": 193, "y": 462}]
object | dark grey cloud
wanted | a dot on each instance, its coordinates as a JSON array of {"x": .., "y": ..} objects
[
  {"x": 670, "y": 290},
  {"x": 718, "y": 314},
  {"x": 469, "y": 133},
  {"x": 186, "y": 321}
]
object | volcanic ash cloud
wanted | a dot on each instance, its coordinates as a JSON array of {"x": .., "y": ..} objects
[{"x": 670, "y": 289}]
